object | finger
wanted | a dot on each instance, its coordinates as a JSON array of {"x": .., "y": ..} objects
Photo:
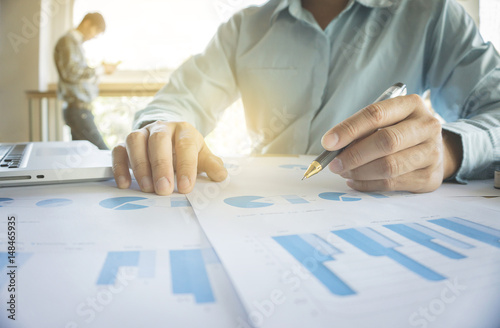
[
  {"x": 386, "y": 141},
  {"x": 419, "y": 181},
  {"x": 188, "y": 143},
  {"x": 369, "y": 119},
  {"x": 137, "y": 150},
  {"x": 120, "y": 167},
  {"x": 160, "y": 158},
  {"x": 212, "y": 165},
  {"x": 398, "y": 164}
]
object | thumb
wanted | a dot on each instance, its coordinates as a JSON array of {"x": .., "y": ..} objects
[{"x": 211, "y": 164}]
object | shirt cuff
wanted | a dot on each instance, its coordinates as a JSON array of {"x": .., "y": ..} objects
[
  {"x": 477, "y": 151},
  {"x": 147, "y": 116}
]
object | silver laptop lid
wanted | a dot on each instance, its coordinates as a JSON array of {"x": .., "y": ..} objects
[{"x": 53, "y": 162}]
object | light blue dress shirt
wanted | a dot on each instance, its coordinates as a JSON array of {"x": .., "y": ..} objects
[{"x": 297, "y": 81}]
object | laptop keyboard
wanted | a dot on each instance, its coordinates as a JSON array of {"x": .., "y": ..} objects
[{"x": 11, "y": 156}]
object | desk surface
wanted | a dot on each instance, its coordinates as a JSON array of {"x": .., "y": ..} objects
[{"x": 91, "y": 255}]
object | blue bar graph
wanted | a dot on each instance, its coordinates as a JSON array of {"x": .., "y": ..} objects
[
  {"x": 338, "y": 196},
  {"x": 144, "y": 260},
  {"x": 375, "y": 244},
  {"x": 179, "y": 202},
  {"x": 312, "y": 251},
  {"x": 189, "y": 275},
  {"x": 470, "y": 229},
  {"x": 424, "y": 236},
  {"x": 376, "y": 195},
  {"x": 293, "y": 199}
]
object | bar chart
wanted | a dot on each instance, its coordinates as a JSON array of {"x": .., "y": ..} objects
[
  {"x": 424, "y": 236},
  {"x": 375, "y": 244},
  {"x": 143, "y": 260},
  {"x": 189, "y": 274},
  {"x": 313, "y": 251},
  {"x": 470, "y": 229}
]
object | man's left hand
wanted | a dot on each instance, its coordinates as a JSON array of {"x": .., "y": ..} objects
[{"x": 397, "y": 144}]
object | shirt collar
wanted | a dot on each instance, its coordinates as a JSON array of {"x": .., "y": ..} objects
[
  {"x": 77, "y": 35},
  {"x": 283, "y": 4}
]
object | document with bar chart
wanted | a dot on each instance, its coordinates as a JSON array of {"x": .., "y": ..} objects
[
  {"x": 319, "y": 254},
  {"x": 95, "y": 256}
]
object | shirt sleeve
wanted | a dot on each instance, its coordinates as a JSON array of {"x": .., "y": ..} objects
[
  {"x": 70, "y": 63},
  {"x": 463, "y": 74},
  {"x": 201, "y": 88}
]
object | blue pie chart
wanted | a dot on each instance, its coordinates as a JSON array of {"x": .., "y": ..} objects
[
  {"x": 338, "y": 196},
  {"x": 54, "y": 202},
  {"x": 246, "y": 202},
  {"x": 5, "y": 201},
  {"x": 124, "y": 203}
]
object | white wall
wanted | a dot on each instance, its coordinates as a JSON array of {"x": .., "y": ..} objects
[
  {"x": 19, "y": 48},
  {"x": 472, "y": 7},
  {"x": 28, "y": 31}
]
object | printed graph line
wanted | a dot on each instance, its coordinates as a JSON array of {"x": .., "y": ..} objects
[
  {"x": 375, "y": 244},
  {"x": 304, "y": 252}
]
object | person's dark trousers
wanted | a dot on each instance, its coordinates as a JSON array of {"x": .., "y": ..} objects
[{"x": 81, "y": 121}]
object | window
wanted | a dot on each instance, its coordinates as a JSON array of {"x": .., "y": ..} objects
[
  {"x": 489, "y": 22},
  {"x": 157, "y": 36},
  {"x": 152, "y": 34}
]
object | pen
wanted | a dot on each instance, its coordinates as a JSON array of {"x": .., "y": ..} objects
[{"x": 398, "y": 89}]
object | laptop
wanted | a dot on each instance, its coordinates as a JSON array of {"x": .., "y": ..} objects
[{"x": 36, "y": 163}]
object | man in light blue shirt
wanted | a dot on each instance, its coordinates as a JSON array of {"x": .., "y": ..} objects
[{"x": 303, "y": 67}]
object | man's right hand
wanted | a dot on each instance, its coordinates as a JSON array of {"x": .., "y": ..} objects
[{"x": 160, "y": 148}]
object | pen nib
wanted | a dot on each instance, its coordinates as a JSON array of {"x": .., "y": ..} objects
[{"x": 314, "y": 168}]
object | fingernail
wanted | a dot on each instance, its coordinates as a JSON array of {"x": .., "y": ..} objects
[
  {"x": 329, "y": 141},
  {"x": 183, "y": 183},
  {"x": 222, "y": 175},
  {"x": 146, "y": 184},
  {"x": 121, "y": 181},
  {"x": 162, "y": 185},
  {"x": 336, "y": 165}
]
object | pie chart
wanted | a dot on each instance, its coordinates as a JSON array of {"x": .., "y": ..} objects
[
  {"x": 54, "y": 202},
  {"x": 126, "y": 203},
  {"x": 5, "y": 201},
  {"x": 338, "y": 196},
  {"x": 246, "y": 202}
]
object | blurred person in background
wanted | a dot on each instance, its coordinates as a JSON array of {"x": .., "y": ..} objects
[{"x": 78, "y": 82}]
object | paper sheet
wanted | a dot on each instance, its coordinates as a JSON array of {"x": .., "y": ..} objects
[
  {"x": 315, "y": 253},
  {"x": 91, "y": 255}
]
